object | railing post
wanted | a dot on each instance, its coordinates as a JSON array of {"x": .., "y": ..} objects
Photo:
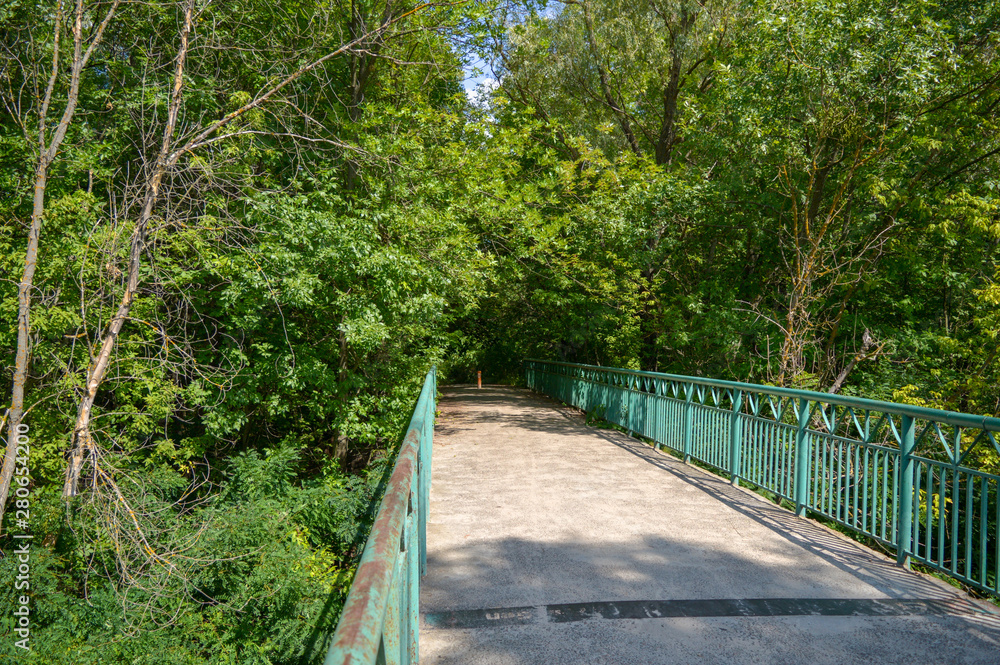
[
  {"x": 424, "y": 468},
  {"x": 422, "y": 501},
  {"x": 803, "y": 455},
  {"x": 630, "y": 398},
  {"x": 688, "y": 423},
  {"x": 412, "y": 633},
  {"x": 904, "y": 496},
  {"x": 735, "y": 437}
]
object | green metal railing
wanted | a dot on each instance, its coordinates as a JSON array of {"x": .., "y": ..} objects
[
  {"x": 902, "y": 475},
  {"x": 380, "y": 620}
]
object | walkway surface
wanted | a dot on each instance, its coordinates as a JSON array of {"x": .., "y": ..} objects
[{"x": 553, "y": 542}]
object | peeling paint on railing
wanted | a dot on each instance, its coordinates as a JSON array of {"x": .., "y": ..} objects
[{"x": 380, "y": 620}]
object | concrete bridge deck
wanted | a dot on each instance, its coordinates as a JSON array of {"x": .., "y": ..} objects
[{"x": 553, "y": 542}]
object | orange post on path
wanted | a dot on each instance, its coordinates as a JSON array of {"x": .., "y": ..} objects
[{"x": 479, "y": 378}]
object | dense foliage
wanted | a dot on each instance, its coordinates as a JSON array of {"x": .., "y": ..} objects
[{"x": 263, "y": 222}]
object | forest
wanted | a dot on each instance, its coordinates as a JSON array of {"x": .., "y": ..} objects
[{"x": 234, "y": 236}]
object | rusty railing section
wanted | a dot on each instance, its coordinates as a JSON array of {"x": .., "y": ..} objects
[{"x": 380, "y": 620}]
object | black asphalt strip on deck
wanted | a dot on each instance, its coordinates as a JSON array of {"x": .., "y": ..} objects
[{"x": 664, "y": 609}]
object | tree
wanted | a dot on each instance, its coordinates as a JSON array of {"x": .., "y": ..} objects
[
  {"x": 842, "y": 108},
  {"x": 619, "y": 73},
  {"x": 170, "y": 153},
  {"x": 48, "y": 142}
]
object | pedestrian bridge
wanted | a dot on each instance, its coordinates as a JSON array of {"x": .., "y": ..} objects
[{"x": 543, "y": 539}]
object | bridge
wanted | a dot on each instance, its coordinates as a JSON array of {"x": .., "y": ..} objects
[{"x": 681, "y": 535}]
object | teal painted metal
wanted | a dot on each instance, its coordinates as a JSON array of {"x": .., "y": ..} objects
[
  {"x": 803, "y": 456},
  {"x": 735, "y": 436},
  {"x": 688, "y": 423},
  {"x": 380, "y": 620},
  {"x": 900, "y": 474},
  {"x": 907, "y": 446}
]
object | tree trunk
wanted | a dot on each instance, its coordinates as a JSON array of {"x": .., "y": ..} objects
[
  {"x": 338, "y": 436},
  {"x": 668, "y": 128},
  {"x": 360, "y": 70},
  {"x": 867, "y": 342},
  {"x": 48, "y": 148},
  {"x": 609, "y": 98},
  {"x": 82, "y": 443}
]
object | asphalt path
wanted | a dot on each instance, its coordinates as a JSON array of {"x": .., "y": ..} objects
[{"x": 553, "y": 542}]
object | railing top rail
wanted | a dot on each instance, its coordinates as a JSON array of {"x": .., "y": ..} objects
[
  {"x": 924, "y": 413},
  {"x": 356, "y": 640}
]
